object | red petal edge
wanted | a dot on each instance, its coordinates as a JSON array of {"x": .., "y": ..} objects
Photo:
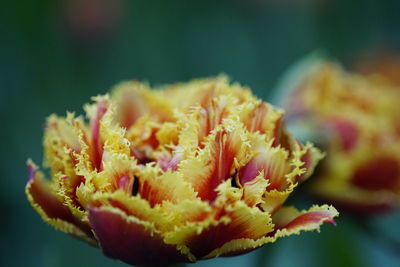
[
  {"x": 312, "y": 217},
  {"x": 51, "y": 205},
  {"x": 131, "y": 242}
]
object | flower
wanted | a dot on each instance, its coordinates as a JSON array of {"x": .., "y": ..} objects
[
  {"x": 188, "y": 172},
  {"x": 356, "y": 119},
  {"x": 383, "y": 63}
]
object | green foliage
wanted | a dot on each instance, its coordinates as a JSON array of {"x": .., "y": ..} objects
[{"x": 48, "y": 66}]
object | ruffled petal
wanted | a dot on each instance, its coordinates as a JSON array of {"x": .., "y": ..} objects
[
  {"x": 226, "y": 149},
  {"x": 272, "y": 161},
  {"x": 135, "y": 100},
  {"x": 131, "y": 102},
  {"x": 156, "y": 186},
  {"x": 310, "y": 159},
  {"x": 51, "y": 208},
  {"x": 254, "y": 190},
  {"x": 131, "y": 240},
  {"x": 274, "y": 199},
  {"x": 62, "y": 142},
  {"x": 289, "y": 220},
  {"x": 227, "y": 222},
  {"x": 96, "y": 115}
]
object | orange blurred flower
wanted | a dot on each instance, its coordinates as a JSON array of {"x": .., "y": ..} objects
[
  {"x": 356, "y": 119},
  {"x": 383, "y": 63},
  {"x": 189, "y": 172}
]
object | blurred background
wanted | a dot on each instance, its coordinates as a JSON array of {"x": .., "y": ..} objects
[{"x": 55, "y": 55}]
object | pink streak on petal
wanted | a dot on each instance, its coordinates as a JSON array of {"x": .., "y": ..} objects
[
  {"x": 249, "y": 172},
  {"x": 96, "y": 140},
  {"x": 168, "y": 162},
  {"x": 277, "y": 132},
  {"x": 31, "y": 172},
  {"x": 124, "y": 183},
  {"x": 224, "y": 155},
  {"x": 312, "y": 217},
  {"x": 347, "y": 131}
]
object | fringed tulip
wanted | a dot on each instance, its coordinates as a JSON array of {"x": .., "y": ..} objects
[
  {"x": 188, "y": 172},
  {"x": 356, "y": 119}
]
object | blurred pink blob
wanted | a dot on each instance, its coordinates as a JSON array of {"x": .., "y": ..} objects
[{"x": 92, "y": 20}]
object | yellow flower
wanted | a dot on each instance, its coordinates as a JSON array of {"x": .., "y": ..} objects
[
  {"x": 356, "y": 119},
  {"x": 188, "y": 172}
]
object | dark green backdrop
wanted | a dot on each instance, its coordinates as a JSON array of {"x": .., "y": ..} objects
[{"x": 55, "y": 54}]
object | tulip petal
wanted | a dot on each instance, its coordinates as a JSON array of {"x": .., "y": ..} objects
[
  {"x": 131, "y": 240},
  {"x": 197, "y": 92},
  {"x": 62, "y": 142},
  {"x": 347, "y": 132},
  {"x": 239, "y": 246},
  {"x": 143, "y": 138},
  {"x": 354, "y": 199},
  {"x": 52, "y": 209},
  {"x": 131, "y": 205},
  {"x": 130, "y": 101},
  {"x": 236, "y": 221},
  {"x": 254, "y": 190},
  {"x": 311, "y": 158},
  {"x": 292, "y": 222},
  {"x": 226, "y": 149},
  {"x": 289, "y": 220},
  {"x": 379, "y": 173},
  {"x": 97, "y": 140},
  {"x": 135, "y": 100},
  {"x": 156, "y": 186},
  {"x": 257, "y": 119},
  {"x": 274, "y": 199},
  {"x": 272, "y": 161}
]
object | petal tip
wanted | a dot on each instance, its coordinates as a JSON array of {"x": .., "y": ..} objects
[{"x": 31, "y": 170}]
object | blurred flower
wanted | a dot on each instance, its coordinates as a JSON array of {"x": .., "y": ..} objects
[
  {"x": 356, "y": 119},
  {"x": 92, "y": 21},
  {"x": 383, "y": 63},
  {"x": 189, "y": 172}
]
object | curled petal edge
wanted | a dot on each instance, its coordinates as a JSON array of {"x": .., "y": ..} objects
[
  {"x": 321, "y": 214},
  {"x": 130, "y": 239},
  {"x": 36, "y": 188}
]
